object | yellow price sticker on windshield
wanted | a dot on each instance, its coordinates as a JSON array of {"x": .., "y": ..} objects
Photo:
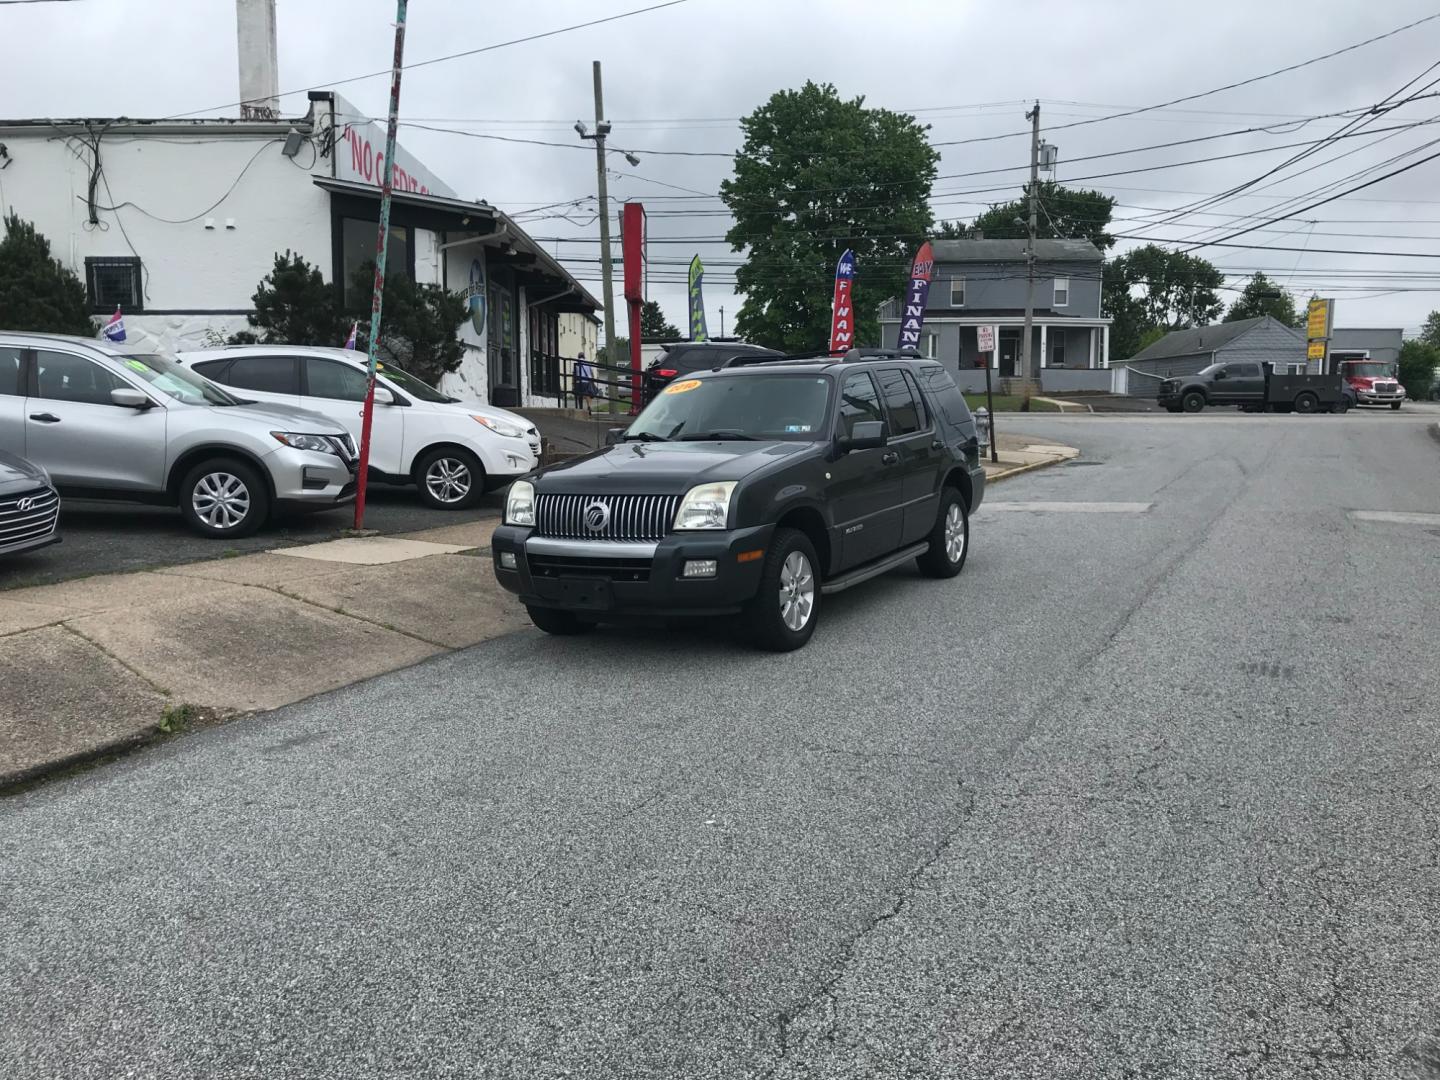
[
  {"x": 137, "y": 365},
  {"x": 682, "y": 387}
]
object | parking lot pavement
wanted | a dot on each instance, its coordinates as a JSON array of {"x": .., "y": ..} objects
[
  {"x": 115, "y": 537},
  {"x": 1139, "y": 794}
]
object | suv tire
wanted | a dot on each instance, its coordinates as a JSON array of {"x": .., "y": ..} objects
[
  {"x": 783, "y": 614},
  {"x": 1193, "y": 401},
  {"x": 224, "y": 497},
  {"x": 949, "y": 538},
  {"x": 449, "y": 478},
  {"x": 558, "y": 622}
]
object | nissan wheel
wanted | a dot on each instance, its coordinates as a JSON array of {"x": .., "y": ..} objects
[
  {"x": 949, "y": 538},
  {"x": 449, "y": 478},
  {"x": 783, "y": 614},
  {"x": 223, "y": 498},
  {"x": 1194, "y": 401}
]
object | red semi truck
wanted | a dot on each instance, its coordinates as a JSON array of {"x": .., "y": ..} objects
[{"x": 1373, "y": 382}]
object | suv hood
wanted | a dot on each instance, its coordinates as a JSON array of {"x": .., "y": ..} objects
[
  {"x": 284, "y": 417},
  {"x": 663, "y": 468},
  {"x": 471, "y": 408}
]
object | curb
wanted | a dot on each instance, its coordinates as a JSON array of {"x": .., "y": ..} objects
[
  {"x": 13, "y": 783},
  {"x": 1018, "y": 469}
]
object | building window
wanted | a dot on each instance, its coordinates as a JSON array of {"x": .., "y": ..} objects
[
  {"x": 113, "y": 282},
  {"x": 1057, "y": 351},
  {"x": 931, "y": 345},
  {"x": 957, "y": 292},
  {"x": 1062, "y": 292},
  {"x": 357, "y": 247}
]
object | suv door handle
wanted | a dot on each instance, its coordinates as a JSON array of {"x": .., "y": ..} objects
[
  {"x": 45, "y": 417},
  {"x": 890, "y": 457}
]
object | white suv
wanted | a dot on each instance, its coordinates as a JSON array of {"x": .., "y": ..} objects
[{"x": 453, "y": 451}]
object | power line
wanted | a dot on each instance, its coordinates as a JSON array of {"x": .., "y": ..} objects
[{"x": 450, "y": 56}]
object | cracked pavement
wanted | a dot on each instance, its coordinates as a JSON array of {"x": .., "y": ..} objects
[{"x": 1138, "y": 795}]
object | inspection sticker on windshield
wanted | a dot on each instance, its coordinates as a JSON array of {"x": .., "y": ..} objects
[
  {"x": 796, "y": 429},
  {"x": 681, "y": 387},
  {"x": 137, "y": 365}
]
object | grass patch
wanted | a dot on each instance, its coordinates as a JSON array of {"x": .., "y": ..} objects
[
  {"x": 1008, "y": 403},
  {"x": 176, "y": 718}
]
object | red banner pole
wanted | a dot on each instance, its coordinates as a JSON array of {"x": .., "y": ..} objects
[{"x": 377, "y": 301}]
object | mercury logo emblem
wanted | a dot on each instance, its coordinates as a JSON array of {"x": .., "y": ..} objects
[
  {"x": 26, "y": 504},
  {"x": 597, "y": 516}
]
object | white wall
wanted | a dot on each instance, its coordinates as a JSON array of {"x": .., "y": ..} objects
[{"x": 193, "y": 274}]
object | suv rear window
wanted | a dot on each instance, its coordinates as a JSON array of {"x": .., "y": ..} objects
[
  {"x": 687, "y": 359},
  {"x": 907, "y": 414},
  {"x": 941, "y": 388}
]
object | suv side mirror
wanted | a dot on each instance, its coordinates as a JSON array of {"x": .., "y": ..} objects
[
  {"x": 866, "y": 435},
  {"x": 383, "y": 396},
  {"x": 612, "y": 435},
  {"x": 1220, "y": 374},
  {"x": 130, "y": 399}
]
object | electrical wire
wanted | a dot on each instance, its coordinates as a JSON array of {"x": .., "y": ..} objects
[{"x": 193, "y": 217}]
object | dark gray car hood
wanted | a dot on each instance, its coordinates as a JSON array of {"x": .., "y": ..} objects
[{"x": 17, "y": 474}]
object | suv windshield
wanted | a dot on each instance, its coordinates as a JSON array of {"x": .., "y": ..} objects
[
  {"x": 1371, "y": 370},
  {"x": 758, "y": 406},
  {"x": 413, "y": 386},
  {"x": 175, "y": 380}
]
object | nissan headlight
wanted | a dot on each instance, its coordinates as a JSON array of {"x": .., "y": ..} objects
[
  {"x": 321, "y": 444},
  {"x": 520, "y": 504},
  {"x": 501, "y": 427},
  {"x": 706, "y": 506}
]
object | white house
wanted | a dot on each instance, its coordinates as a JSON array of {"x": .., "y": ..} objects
[{"x": 177, "y": 221}]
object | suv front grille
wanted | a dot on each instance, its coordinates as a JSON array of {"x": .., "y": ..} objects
[
  {"x": 36, "y": 520},
  {"x": 625, "y": 517},
  {"x": 558, "y": 566}
]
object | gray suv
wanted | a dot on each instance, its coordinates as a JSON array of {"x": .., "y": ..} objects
[{"x": 107, "y": 423}]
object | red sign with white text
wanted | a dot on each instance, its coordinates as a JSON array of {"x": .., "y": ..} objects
[{"x": 842, "y": 321}]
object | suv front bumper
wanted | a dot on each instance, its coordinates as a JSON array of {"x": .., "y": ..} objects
[
  {"x": 309, "y": 480},
  {"x": 615, "y": 578}
]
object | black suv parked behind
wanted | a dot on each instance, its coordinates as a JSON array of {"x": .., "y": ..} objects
[
  {"x": 754, "y": 489},
  {"x": 687, "y": 357}
]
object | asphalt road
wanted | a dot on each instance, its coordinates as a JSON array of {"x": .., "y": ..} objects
[
  {"x": 1140, "y": 794},
  {"x": 115, "y": 537}
]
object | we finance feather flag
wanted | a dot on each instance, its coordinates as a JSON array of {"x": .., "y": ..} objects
[{"x": 842, "y": 321}]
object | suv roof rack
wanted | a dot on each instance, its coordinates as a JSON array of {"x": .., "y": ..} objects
[
  {"x": 855, "y": 356},
  {"x": 747, "y": 359}
]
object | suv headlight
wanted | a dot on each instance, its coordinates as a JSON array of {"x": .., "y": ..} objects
[
  {"x": 501, "y": 427},
  {"x": 520, "y": 504},
  {"x": 706, "y": 506},
  {"x": 321, "y": 444}
]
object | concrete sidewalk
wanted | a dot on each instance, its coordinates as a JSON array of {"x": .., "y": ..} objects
[
  {"x": 98, "y": 665},
  {"x": 92, "y": 666}
]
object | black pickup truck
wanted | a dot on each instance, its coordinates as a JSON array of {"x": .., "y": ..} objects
[{"x": 1255, "y": 388}]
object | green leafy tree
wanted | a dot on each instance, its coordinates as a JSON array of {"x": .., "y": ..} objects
[
  {"x": 1262, "y": 296},
  {"x": 1419, "y": 365},
  {"x": 295, "y": 305},
  {"x": 1063, "y": 214},
  {"x": 952, "y": 230},
  {"x": 37, "y": 292},
  {"x": 817, "y": 175},
  {"x": 417, "y": 325},
  {"x": 1430, "y": 334},
  {"x": 653, "y": 323},
  {"x": 1176, "y": 290}
]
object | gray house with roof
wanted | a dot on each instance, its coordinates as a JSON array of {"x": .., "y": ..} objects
[
  {"x": 1262, "y": 340},
  {"x": 981, "y": 282}
]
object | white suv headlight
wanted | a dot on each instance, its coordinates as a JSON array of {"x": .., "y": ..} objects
[
  {"x": 520, "y": 504},
  {"x": 706, "y": 506},
  {"x": 501, "y": 427}
]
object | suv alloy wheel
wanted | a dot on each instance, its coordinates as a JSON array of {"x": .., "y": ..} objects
[
  {"x": 1194, "y": 401},
  {"x": 949, "y": 539},
  {"x": 449, "y": 478},
  {"x": 783, "y": 614},
  {"x": 224, "y": 497}
]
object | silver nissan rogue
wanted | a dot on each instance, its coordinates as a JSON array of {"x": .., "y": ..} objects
[{"x": 111, "y": 424}]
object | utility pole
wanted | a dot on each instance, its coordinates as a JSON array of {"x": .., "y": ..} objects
[
  {"x": 722, "y": 321},
  {"x": 382, "y": 244},
  {"x": 602, "y": 129},
  {"x": 1034, "y": 117}
]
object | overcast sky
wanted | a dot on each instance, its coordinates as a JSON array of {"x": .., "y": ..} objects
[{"x": 677, "y": 79}]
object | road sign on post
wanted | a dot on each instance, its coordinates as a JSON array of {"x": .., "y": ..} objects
[
  {"x": 985, "y": 346},
  {"x": 985, "y": 339}
]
